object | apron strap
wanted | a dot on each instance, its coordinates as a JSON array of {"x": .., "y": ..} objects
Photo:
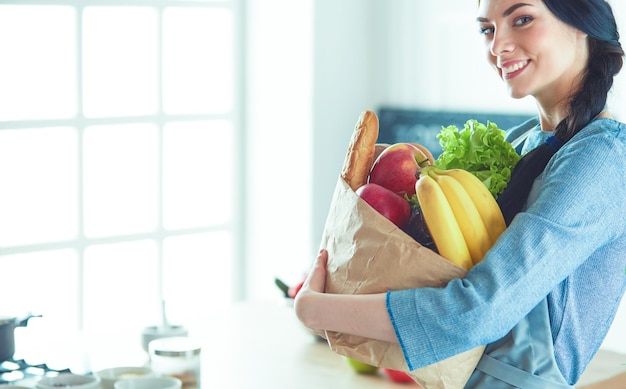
[
  {"x": 515, "y": 376},
  {"x": 520, "y": 139}
]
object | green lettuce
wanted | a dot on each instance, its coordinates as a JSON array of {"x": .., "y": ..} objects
[{"x": 481, "y": 150}]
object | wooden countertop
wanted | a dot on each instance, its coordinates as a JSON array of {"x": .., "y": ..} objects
[
  {"x": 262, "y": 345},
  {"x": 255, "y": 346}
]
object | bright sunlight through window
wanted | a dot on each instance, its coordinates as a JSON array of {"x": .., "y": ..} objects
[{"x": 117, "y": 163}]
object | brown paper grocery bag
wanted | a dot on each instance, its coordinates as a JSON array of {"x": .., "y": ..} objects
[{"x": 369, "y": 254}]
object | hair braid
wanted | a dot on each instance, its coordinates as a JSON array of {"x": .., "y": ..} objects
[{"x": 605, "y": 61}]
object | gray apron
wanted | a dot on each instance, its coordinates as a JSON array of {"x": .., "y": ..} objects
[{"x": 522, "y": 359}]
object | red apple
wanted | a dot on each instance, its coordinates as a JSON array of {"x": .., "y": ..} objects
[
  {"x": 397, "y": 375},
  {"x": 426, "y": 152},
  {"x": 387, "y": 203},
  {"x": 397, "y": 168}
]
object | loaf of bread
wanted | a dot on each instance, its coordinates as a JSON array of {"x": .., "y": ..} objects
[{"x": 361, "y": 150}]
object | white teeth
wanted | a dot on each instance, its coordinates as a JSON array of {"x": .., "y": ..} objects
[{"x": 514, "y": 67}]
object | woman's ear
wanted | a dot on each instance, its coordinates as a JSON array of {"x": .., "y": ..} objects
[{"x": 581, "y": 35}]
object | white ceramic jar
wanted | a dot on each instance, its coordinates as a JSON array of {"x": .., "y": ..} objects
[{"x": 177, "y": 357}]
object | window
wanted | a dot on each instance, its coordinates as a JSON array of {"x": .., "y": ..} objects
[{"x": 118, "y": 122}]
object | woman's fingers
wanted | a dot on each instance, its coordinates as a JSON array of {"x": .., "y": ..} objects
[
  {"x": 316, "y": 280},
  {"x": 307, "y": 301}
]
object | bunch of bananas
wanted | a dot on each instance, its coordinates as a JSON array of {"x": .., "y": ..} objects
[{"x": 461, "y": 214}]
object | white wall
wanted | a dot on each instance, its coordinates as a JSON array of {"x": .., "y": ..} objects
[
  {"x": 278, "y": 124},
  {"x": 343, "y": 88}
]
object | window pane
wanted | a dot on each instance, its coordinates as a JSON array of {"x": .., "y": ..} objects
[
  {"x": 197, "y": 174},
  {"x": 121, "y": 286},
  {"x": 196, "y": 274},
  {"x": 120, "y": 179},
  {"x": 120, "y": 61},
  {"x": 197, "y": 60},
  {"x": 38, "y": 67},
  {"x": 38, "y": 172}
]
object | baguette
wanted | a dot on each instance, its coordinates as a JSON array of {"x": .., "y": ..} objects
[{"x": 360, "y": 155}]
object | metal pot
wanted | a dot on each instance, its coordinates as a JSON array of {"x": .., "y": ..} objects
[{"x": 7, "y": 334}]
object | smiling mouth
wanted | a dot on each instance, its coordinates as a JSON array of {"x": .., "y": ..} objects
[{"x": 515, "y": 67}]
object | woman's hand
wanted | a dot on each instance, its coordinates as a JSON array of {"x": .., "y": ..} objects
[
  {"x": 316, "y": 280},
  {"x": 359, "y": 314},
  {"x": 312, "y": 290}
]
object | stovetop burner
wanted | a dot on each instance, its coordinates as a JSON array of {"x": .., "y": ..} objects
[{"x": 20, "y": 372}]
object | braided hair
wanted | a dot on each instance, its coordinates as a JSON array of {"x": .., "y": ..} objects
[{"x": 595, "y": 18}]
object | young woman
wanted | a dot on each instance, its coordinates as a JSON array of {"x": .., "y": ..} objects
[{"x": 544, "y": 296}]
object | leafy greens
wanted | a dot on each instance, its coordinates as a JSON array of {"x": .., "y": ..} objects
[{"x": 481, "y": 150}]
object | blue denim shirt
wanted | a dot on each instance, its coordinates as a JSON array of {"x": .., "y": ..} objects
[{"x": 569, "y": 246}]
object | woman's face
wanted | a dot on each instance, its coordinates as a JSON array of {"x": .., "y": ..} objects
[{"x": 533, "y": 52}]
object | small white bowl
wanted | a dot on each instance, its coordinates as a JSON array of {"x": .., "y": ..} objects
[
  {"x": 111, "y": 375},
  {"x": 69, "y": 381},
  {"x": 149, "y": 383}
]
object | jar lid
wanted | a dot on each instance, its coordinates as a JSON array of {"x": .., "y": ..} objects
[{"x": 178, "y": 346}]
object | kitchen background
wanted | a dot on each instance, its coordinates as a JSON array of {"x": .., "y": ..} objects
[{"x": 187, "y": 151}]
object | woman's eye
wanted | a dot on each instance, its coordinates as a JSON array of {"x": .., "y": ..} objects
[
  {"x": 485, "y": 30},
  {"x": 522, "y": 20}
]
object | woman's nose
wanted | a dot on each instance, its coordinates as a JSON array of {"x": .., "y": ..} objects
[{"x": 501, "y": 44}]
